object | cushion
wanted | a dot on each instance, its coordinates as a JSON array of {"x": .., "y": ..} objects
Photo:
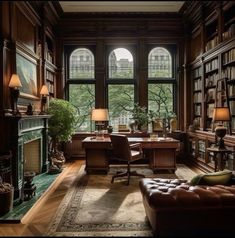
[{"x": 215, "y": 178}]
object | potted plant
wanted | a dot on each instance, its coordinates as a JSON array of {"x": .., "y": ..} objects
[
  {"x": 61, "y": 127},
  {"x": 6, "y": 197},
  {"x": 140, "y": 117}
]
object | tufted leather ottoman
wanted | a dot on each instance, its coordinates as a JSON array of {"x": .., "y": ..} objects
[{"x": 173, "y": 207}]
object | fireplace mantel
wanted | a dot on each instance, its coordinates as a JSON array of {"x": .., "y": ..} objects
[{"x": 24, "y": 128}]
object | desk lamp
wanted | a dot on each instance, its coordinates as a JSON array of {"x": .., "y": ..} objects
[
  {"x": 14, "y": 85},
  {"x": 44, "y": 92},
  {"x": 221, "y": 114},
  {"x": 99, "y": 115}
]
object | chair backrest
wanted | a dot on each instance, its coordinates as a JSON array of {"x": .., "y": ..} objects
[{"x": 121, "y": 147}]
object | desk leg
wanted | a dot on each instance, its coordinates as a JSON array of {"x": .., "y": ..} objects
[
  {"x": 223, "y": 161},
  {"x": 216, "y": 161}
]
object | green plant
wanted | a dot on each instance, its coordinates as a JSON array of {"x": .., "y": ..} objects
[
  {"x": 62, "y": 123},
  {"x": 140, "y": 115}
]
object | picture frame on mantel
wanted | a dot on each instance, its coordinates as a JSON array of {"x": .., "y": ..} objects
[{"x": 26, "y": 68}]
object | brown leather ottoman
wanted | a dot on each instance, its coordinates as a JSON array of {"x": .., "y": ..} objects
[{"x": 173, "y": 207}]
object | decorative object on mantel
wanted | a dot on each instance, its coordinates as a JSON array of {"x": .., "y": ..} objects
[
  {"x": 29, "y": 109},
  {"x": 44, "y": 93},
  {"x": 14, "y": 85},
  {"x": 221, "y": 114},
  {"x": 61, "y": 126}
]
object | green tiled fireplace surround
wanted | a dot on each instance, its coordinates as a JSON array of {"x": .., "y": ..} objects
[
  {"x": 24, "y": 129},
  {"x": 42, "y": 182}
]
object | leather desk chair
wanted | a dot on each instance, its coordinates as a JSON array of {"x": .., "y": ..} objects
[{"x": 126, "y": 153}]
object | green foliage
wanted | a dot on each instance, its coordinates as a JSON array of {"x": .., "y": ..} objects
[
  {"x": 63, "y": 120},
  {"x": 82, "y": 96},
  {"x": 140, "y": 115}
]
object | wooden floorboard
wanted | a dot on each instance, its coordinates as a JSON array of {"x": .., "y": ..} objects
[{"x": 36, "y": 221}]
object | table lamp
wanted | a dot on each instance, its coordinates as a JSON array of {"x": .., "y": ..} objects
[
  {"x": 44, "y": 93},
  {"x": 99, "y": 115},
  {"x": 221, "y": 114},
  {"x": 14, "y": 85}
]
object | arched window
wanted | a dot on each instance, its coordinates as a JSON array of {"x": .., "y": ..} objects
[
  {"x": 159, "y": 63},
  {"x": 121, "y": 64},
  {"x": 161, "y": 82},
  {"x": 81, "y": 85},
  {"x": 121, "y": 86},
  {"x": 81, "y": 64}
]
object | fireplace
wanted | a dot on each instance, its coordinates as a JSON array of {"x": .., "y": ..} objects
[
  {"x": 29, "y": 146},
  {"x": 32, "y": 156}
]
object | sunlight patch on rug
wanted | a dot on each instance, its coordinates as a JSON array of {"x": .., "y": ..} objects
[{"x": 94, "y": 206}]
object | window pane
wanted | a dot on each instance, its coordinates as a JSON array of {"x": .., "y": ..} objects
[
  {"x": 121, "y": 101},
  {"x": 120, "y": 64},
  {"x": 160, "y": 99},
  {"x": 81, "y": 64},
  {"x": 159, "y": 63},
  {"x": 82, "y": 96}
]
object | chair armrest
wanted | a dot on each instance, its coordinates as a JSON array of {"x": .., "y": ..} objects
[{"x": 136, "y": 146}]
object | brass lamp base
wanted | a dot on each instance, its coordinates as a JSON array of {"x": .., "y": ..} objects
[{"x": 220, "y": 132}]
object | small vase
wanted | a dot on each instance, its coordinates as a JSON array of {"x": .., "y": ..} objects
[{"x": 173, "y": 124}]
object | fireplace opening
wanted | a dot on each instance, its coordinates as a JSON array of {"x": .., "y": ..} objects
[{"x": 32, "y": 156}]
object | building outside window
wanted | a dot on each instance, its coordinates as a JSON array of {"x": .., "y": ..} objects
[
  {"x": 81, "y": 86},
  {"x": 120, "y": 87},
  {"x": 161, "y": 82}
]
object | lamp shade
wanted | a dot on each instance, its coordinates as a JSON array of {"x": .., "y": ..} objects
[
  {"x": 221, "y": 114},
  {"x": 15, "y": 81},
  {"x": 99, "y": 114},
  {"x": 44, "y": 90}
]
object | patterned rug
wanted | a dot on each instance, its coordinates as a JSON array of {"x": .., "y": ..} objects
[{"x": 94, "y": 206}]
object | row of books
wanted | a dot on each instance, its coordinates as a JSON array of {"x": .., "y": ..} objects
[
  {"x": 211, "y": 80},
  {"x": 212, "y": 43},
  {"x": 231, "y": 90},
  {"x": 232, "y": 107},
  {"x": 197, "y": 72},
  {"x": 229, "y": 56},
  {"x": 49, "y": 76},
  {"x": 198, "y": 84},
  {"x": 229, "y": 33},
  {"x": 210, "y": 110},
  {"x": 197, "y": 110},
  {"x": 211, "y": 65},
  {"x": 197, "y": 97},
  {"x": 228, "y": 72}
]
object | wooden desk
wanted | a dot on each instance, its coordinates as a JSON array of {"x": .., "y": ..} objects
[{"x": 161, "y": 152}]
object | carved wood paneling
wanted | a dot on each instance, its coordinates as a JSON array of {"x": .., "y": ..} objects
[{"x": 25, "y": 31}]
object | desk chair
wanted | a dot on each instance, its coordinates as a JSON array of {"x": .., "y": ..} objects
[{"x": 127, "y": 153}]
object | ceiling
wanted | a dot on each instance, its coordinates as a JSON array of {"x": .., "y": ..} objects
[{"x": 121, "y": 6}]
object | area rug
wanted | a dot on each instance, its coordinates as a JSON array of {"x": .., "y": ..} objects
[{"x": 94, "y": 206}]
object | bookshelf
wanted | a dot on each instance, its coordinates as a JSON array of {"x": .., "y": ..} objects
[
  {"x": 229, "y": 22},
  {"x": 50, "y": 68},
  {"x": 212, "y": 59},
  {"x": 211, "y": 75},
  {"x": 211, "y": 32},
  {"x": 228, "y": 71},
  {"x": 197, "y": 95}
]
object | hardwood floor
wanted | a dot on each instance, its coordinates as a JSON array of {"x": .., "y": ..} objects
[{"x": 35, "y": 222}]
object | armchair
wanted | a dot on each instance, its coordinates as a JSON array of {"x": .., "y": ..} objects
[{"x": 127, "y": 153}]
